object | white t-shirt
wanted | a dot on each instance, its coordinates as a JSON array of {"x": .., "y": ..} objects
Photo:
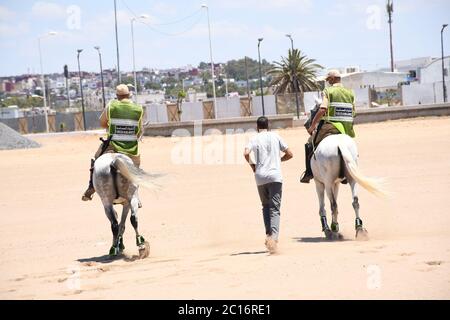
[{"x": 266, "y": 147}]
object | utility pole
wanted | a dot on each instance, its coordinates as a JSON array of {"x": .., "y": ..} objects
[
  {"x": 81, "y": 88},
  {"x": 390, "y": 10},
  {"x": 260, "y": 76},
  {"x": 444, "y": 87},
  {"x": 117, "y": 43},
  {"x": 44, "y": 87},
  {"x": 101, "y": 75},
  {"x": 248, "y": 84},
  {"x": 294, "y": 76},
  {"x": 212, "y": 62},
  {"x": 66, "y": 75}
]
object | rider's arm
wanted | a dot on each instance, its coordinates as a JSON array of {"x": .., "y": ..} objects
[
  {"x": 104, "y": 118},
  {"x": 319, "y": 114}
]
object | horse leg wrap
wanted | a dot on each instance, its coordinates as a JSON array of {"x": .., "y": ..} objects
[
  {"x": 358, "y": 223},
  {"x": 335, "y": 227},
  {"x": 323, "y": 221},
  {"x": 121, "y": 245},
  {"x": 140, "y": 240}
]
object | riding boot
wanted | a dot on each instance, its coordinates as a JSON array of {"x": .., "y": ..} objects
[
  {"x": 308, "y": 174},
  {"x": 88, "y": 194}
]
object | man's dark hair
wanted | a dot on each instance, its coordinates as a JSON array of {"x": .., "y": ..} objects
[{"x": 262, "y": 123}]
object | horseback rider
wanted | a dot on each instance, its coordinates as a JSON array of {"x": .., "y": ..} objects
[
  {"x": 123, "y": 120},
  {"x": 335, "y": 116}
]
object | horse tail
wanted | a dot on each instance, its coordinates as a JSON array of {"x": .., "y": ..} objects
[
  {"x": 135, "y": 175},
  {"x": 373, "y": 185}
]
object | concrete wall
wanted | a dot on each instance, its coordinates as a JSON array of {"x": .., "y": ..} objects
[
  {"x": 226, "y": 108},
  {"x": 156, "y": 113},
  {"x": 395, "y": 113},
  {"x": 36, "y": 124},
  {"x": 269, "y": 106},
  {"x": 362, "y": 98},
  {"x": 210, "y": 126},
  {"x": 423, "y": 93}
]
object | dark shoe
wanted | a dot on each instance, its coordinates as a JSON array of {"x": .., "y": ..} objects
[
  {"x": 344, "y": 181},
  {"x": 306, "y": 177},
  {"x": 88, "y": 194},
  {"x": 139, "y": 204}
]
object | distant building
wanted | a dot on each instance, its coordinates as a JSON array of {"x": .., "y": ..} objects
[{"x": 374, "y": 79}]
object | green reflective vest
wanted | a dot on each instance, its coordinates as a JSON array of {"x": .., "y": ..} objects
[
  {"x": 341, "y": 109},
  {"x": 124, "y": 126}
]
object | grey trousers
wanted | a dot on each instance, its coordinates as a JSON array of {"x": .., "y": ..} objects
[{"x": 270, "y": 195}]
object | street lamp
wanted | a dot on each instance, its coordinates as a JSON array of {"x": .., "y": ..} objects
[
  {"x": 260, "y": 76},
  {"x": 117, "y": 42},
  {"x": 44, "y": 94},
  {"x": 294, "y": 75},
  {"x": 101, "y": 75},
  {"x": 212, "y": 63},
  {"x": 444, "y": 87},
  {"x": 144, "y": 16},
  {"x": 81, "y": 88}
]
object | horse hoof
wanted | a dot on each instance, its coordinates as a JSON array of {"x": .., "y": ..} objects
[
  {"x": 336, "y": 236},
  {"x": 362, "y": 234},
  {"x": 114, "y": 251},
  {"x": 121, "y": 245},
  {"x": 144, "y": 250},
  {"x": 328, "y": 234}
]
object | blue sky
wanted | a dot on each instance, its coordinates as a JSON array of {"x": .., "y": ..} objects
[{"x": 337, "y": 33}]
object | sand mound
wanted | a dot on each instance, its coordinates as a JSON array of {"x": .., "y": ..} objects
[{"x": 11, "y": 139}]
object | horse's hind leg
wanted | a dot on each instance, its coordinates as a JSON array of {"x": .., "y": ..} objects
[
  {"x": 123, "y": 219},
  {"x": 361, "y": 233},
  {"x": 112, "y": 216},
  {"x": 143, "y": 246},
  {"x": 332, "y": 192},
  {"x": 320, "y": 189}
]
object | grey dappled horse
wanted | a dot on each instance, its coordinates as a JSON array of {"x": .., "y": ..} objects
[
  {"x": 336, "y": 154},
  {"x": 116, "y": 181}
]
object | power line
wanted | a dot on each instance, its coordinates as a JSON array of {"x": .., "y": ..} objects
[{"x": 151, "y": 26}]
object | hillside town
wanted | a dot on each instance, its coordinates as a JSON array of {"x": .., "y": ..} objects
[{"x": 414, "y": 81}]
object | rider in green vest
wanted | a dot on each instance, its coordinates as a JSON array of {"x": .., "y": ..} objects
[
  {"x": 335, "y": 116},
  {"x": 123, "y": 120}
]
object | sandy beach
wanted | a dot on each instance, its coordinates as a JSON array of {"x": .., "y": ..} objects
[{"x": 206, "y": 230}]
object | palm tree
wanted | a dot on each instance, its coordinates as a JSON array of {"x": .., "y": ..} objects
[{"x": 305, "y": 69}]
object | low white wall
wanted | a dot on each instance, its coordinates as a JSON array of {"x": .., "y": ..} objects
[
  {"x": 156, "y": 113},
  {"x": 362, "y": 98},
  {"x": 228, "y": 107},
  {"x": 424, "y": 93},
  {"x": 191, "y": 111},
  {"x": 270, "y": 107}
]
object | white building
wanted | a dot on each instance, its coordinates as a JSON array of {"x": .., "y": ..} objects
[
  {"x": 429, "y": 87},
  {"x": 373, "y": 79}
]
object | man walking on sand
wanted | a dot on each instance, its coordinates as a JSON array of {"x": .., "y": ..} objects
[{"x": 266, "y": 147}]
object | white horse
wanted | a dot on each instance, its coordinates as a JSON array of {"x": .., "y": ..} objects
[
  {"x": 116, "y": 181},
  {"x": 337, "y": 154}
]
